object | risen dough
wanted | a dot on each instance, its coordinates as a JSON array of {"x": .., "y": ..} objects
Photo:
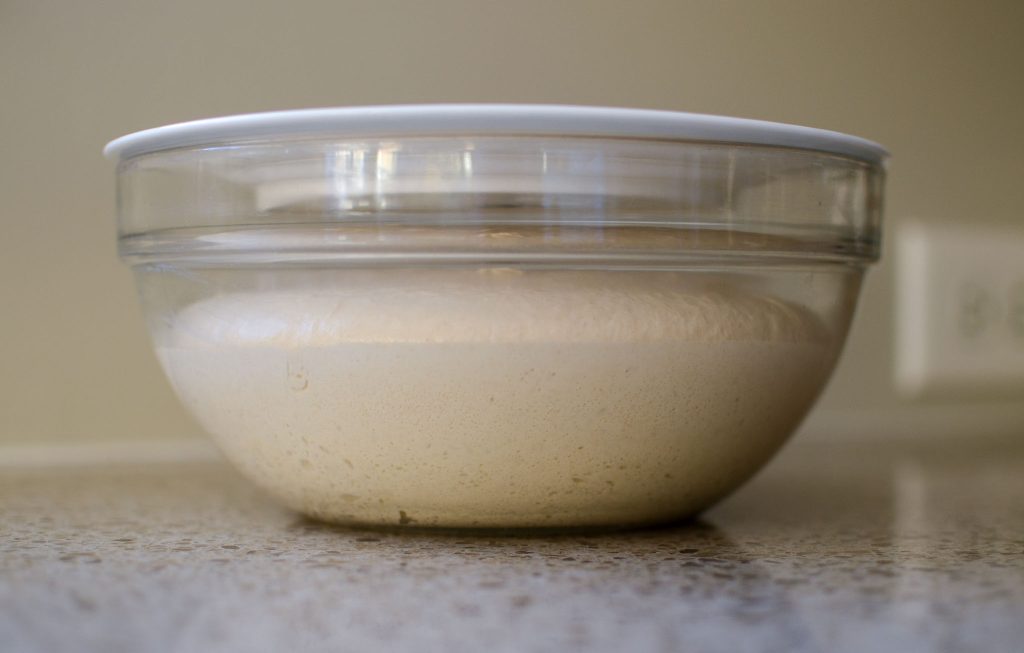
[{"x": 497, "y": 397}]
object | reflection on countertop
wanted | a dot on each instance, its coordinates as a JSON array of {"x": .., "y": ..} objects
[{"x": 832, "y": 548}]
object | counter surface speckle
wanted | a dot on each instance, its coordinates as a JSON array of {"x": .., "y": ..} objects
[{"x": 832, "y": 548}]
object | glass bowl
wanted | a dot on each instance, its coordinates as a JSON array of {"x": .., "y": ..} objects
[{"x": 497, "y": 315}]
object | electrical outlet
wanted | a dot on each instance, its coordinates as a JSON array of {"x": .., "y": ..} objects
[{"x": 960, "y": 311}]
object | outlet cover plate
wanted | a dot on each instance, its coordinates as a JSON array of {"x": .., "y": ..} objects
[{"x": 959, "y": 311}]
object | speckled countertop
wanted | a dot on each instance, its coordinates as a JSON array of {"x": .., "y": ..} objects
[{"x": 832, "y": 548}]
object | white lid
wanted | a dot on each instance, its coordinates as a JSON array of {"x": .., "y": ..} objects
[{"x": 492, "y": 119}]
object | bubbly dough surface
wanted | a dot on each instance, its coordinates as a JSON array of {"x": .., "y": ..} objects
[{"x": 498, "y": 397}]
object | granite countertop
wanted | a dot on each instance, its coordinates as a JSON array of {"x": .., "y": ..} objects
[{"x": 832, "y": 548}]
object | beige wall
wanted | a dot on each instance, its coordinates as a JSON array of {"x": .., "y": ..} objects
[{"x": 938, "y": 82}]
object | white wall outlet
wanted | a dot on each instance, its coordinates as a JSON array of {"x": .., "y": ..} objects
[{"x": 960, "y": 311}]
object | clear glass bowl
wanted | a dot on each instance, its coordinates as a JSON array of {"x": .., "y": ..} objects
[{"x": 497, "y": 316}]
